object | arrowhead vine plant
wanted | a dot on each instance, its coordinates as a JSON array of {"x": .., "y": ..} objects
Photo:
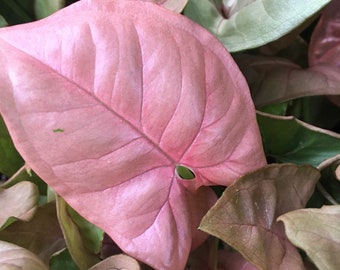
[{"x": 169, "y": 134}]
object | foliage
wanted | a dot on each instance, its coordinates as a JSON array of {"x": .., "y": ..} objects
[{"x": 129, "y": 137}]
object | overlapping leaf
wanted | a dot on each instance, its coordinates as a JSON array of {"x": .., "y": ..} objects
[
  {"x": 301, "y": 143},
  {"x": 325, "y": 42},
  {"x": 316, "y": 231},
  {"x": 62, "y": 260},
  {"x": 44, "y": 8},
  {"x": 245, "y": 215},
  {"x": 326, "y": 37},
  {"x": 251, "y": 23},
  {"x": 84, "y": 254},
  {"x": 10, "y": 160},
  {"x": 274, "y": 79},
  {"x": 18, "y": 202},
  {"x": 41, "y": 235},
  {"x": 104, "y": 101},
  {"x": 120, "y": 261},
  {"x": 15, "y": 257}
]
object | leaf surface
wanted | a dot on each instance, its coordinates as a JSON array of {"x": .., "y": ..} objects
[
  {"x": 274, "y": 79},
  {"x": 245, "y": 215},
  {"x": 325, "y": 39},
  {"x": 301, "y": 143},
  {"x": 13, "y": 257},
  {"x": 77, "y": 237},
  {"x": 41, "y": 235},
  {"x": 44, "y": 8},
  {"x": 18, "y": 202},
  {"x": 133, "y": 95},
  {"x": 62, "y": 260},
  {"x": 120, "y": 261},
  {"x": 248, "y": 24},
  {"x": 316, "y": 231},
  {"x": 10, "y": 160}
]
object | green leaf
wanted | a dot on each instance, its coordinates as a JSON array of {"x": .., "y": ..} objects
[
  {"x": 18, "y": 202},
  {"x": 277, "y": 109},
  {"x": 316, "y": 231},
  {"x": 244, "y": 216},
  {"x": 82, "y": 238},
  {"x": 254, "y": 24},
  {"x": 92, "y": 235},
  {"x": 62, "y": 260},
  {"x": 44, "y": 8},
  {"x": 41, "y": 235},
  {"x": 287, "y": 139},
  {"x": 13, "y": 257},
  {"x": 3, "y": 22},
  {"x": 17, "y": 11},
  {"x": 10, "y": 159}
]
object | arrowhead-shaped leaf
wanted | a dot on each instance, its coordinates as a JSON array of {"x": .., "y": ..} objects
[
  {"x": 108, "y": 100},
  {"x": 245, "y": 215},
  {"x": 246, "y": 24},
  {"x": 316, "y": 231}
]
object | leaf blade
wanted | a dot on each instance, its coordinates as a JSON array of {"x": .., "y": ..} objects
[
  {"x": 244, "y": 216},
  {"x": 314, "y": 231},
  {"x": 255, "y": 24}
]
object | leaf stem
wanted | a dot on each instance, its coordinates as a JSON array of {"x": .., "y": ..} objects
[{"x": 324, "y": 193}]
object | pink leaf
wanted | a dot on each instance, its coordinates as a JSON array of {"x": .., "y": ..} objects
[{"x": 104, "y": 99}]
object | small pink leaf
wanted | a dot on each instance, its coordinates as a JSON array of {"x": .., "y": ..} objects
[{"x": 135, "y": 91}]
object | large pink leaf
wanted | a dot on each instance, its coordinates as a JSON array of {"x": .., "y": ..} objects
[{"x": 104, "y": 99}]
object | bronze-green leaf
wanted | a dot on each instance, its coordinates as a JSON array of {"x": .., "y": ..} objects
[{"x": 245, "y": 215}]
